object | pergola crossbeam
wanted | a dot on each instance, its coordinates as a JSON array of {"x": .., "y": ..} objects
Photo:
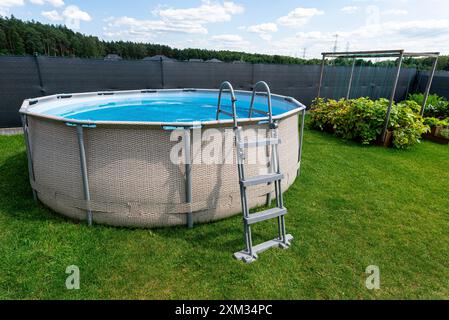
[{"x": 400, "y": 54}]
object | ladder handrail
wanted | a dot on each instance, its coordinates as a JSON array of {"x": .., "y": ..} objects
[
  {"x": 283, "y": 240},
  {"x": 233, "y": 100},
  {"x": 267, "y": 88}
]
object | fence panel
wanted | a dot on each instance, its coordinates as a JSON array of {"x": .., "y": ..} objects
[
  {"x": 300, "y": 82},
  {"x": 62, "y": 75},
  {"x": 373, "y": 82},
  {"x": 440, "y": 83},
  {"x": 206, "y": 75},
  {"x": 18, "y": 80}
]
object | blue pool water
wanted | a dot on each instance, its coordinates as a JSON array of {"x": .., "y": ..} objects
[{"x": 167, "y": 107}]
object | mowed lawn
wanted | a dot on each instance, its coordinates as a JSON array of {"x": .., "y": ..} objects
[{"x": 352, "y": 207}]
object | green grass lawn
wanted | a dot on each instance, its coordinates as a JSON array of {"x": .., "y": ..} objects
[{"x": 352, "y": 207}]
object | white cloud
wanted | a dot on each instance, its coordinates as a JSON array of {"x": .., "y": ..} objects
[
  {"x": 172, "y": 20},
  {"x": 54, "y": 3},
  {"x": 140, "y": 29},
  {"x": 74, "y": 13},
  {"x": 230, "y": 42},
  {"x": 5, "y": 5},
  {"x": 264, "y": 30},
  {"x": 408, "y": 29},
  {"x": 349, "y": 9},
  {"x": 412, "y": 35},
  {"x": 395, "y": 12},
  {"x": 207, "y": 12},
  {"x": 72, "y": 16},
  {"x": 11, "y": 3},
  {"x": 52, "y": 15},
  {"x": 299, "y": 17},
  {"x": 227, "y": 38}
]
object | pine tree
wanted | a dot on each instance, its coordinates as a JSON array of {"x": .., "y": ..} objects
[{"x": 3, "y": 43}]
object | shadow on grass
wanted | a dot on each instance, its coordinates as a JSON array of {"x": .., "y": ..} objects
[
  {"x": 224, "y": 235},
  {"x": 16, "y": 197}
]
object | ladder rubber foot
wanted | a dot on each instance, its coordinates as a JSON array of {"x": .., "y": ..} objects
[{"x": 247, "y": 258}]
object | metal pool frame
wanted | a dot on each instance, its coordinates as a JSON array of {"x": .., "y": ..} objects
[
  {"x": 400, "y": 54},
  {"x": 27, "y": 111}
]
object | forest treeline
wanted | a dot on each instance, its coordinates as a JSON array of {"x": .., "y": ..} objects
[{"x": 19, "y": 37}]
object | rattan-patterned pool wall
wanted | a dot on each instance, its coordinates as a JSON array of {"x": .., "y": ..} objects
[{"x": 133, "y": 182}]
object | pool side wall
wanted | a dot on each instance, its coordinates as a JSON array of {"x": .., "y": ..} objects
[{"x": 132, "y": 181}]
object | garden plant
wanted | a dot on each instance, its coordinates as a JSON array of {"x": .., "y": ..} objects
[
  {"x": 363, "y": 120},
  {"x": 436, "y": 106}
]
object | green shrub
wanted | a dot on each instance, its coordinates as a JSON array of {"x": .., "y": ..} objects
[
  {"x": 407, "y": 125},
  {"x": 363, "y": 120},
  {"x": 435, "y": 122},
  {"x": 436, "y": 106}
]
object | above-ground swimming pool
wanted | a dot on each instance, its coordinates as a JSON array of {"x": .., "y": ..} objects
[{"x": 110, "y": 154}]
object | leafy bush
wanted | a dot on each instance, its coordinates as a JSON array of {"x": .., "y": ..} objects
[
  {"x": 363, "y": 120},
  {"x": 435, "y": 122},
  {"x": 436, "y": 106},
  {"x": 407, "y": 125}
]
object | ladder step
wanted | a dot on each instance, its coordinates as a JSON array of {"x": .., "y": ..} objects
[
  {"x": 259, "y": 143},
  {"x": 266, "y": 215},
  {"x": 262, "y": 179}
]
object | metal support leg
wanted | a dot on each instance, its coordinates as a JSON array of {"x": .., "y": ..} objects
[
  {"x": 83, "y": 162},
  {"x": 280, "y": 198},
  {"x": 301, "y": 139},
  {"x": 281, "y": 224},
  {"x": 29, "y": 155},
  {"x": 350, "y": 80},
  {"x": 393, "y": 94},
  {"x": 321, "y": 77},
  {"x": 429, "y": 85},
  {"x": 247, "y": 227},
  {"x": 188, "y": 175},
  {"x": 272, "y": 170}
]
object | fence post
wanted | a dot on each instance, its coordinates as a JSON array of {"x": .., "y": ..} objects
[
  {"x": 253, "y": 81},
  {"x": 162, "y": 73},
  {"x": 39, "y": 74}
]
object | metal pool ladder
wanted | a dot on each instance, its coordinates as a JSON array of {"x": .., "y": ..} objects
[{"x": 250, "y": 253}]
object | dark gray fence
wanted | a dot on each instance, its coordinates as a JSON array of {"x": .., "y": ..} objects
[
  {"x": 18, "y": 79},
  {"x": 26, "y": 77},
  {"x": 440, "y": 83}
]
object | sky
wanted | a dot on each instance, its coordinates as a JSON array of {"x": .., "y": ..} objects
[{"x": 300, "y": 28}]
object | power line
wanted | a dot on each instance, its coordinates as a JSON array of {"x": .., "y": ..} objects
[{"x": 336, "y": 43}]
